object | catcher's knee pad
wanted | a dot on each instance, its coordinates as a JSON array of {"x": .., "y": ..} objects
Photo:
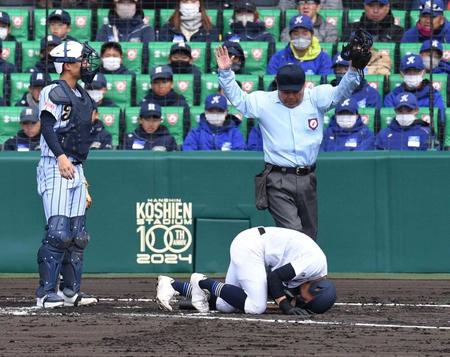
[
  {"x": 58, "y": 232},
  {"x": 79, "y": 233}
]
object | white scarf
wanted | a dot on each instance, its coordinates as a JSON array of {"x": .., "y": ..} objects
[{"x": 190, "y": 25}]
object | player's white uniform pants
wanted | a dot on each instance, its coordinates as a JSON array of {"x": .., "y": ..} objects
[
  {"x": 61, "y": 197},
  {"x": 247, "y": 271}
]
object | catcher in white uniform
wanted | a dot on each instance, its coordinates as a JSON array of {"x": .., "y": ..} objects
[{"x": 281, "y": 262}]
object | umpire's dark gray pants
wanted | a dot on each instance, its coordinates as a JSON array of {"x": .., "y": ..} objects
[{"x": 293, "y": 201}]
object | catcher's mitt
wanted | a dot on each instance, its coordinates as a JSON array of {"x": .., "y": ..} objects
[{"x": 358, "y": 49}]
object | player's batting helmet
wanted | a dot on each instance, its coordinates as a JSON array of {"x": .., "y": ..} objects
[{"x": 324, "y": 293}]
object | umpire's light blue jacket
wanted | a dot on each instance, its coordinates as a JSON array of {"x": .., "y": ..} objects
[{"x": 291, "y": 137}]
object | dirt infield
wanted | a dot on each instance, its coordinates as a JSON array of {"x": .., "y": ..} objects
[{"x": 373, "y": 317}]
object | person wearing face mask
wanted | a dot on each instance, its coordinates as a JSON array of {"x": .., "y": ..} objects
[
  {"x": 303, "y": 49},
  {"x": 217, "y": 129},
  {"x": 346, "y": 131},
  {"x": 181, "y": 62},
  {"x": 150, "y": 135},
  {"x": 412, "y": 70},
  {"x": 31, "y": 98},
  {"x": 47, "y": 45},
  {"x": 101, "y": 139},
  {"x": 324, "y": 31},
  {"x": 111, "y": 55},
  {"x": 126, "y": 24},
  {"x": 97, "y": 90},
  {"x": 364, "y": 95},
  {"x": 432, "y": 22},
  {"x": 59, "y": 23},
  {"x": 436, "y": 50},
  {"x": 5, "y": 27},
  {"x": 377, "y": 19},
  {"x": 237, "y": 56},
  {"x": 28, "y": 137},
  {"x": 246, "y": 25},
  {"x": 6, "y": 67},
  {"x": 405, "y": 132},
  {"x": 189, "y": 23}
]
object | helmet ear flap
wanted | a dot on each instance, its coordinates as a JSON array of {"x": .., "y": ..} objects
[{"x": 59, "y": 67}]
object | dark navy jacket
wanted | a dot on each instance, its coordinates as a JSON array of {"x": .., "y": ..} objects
[
  {"x": 121, "y": 70},
  {"x": 6, "y": 67},
  {"x": 100, "y": 137},
  {"x": 141, "y": 140},
  {"x": 21, "y": 142},
  {"x": 168, "y": 33},
  {"x": 396, "y": 137},
  {"x": 358, "y": 138},
  {"x": 365, "y": 95},
  {"x": 209, "y": 137},
  {"x": 191, "y": 69},
  {"x": 255, "y": 142},
  {"x": 442, "y": 34},
  {"x": 253, "y": 31}
]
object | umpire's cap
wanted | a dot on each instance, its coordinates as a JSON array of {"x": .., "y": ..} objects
[
  {"x": 324, "y": 293},
  {"x": 290, "y": 77}
]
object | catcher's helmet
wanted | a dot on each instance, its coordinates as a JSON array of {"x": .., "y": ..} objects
[{"x": 324, "y": 293}]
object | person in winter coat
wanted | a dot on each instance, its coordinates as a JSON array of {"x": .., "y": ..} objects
[
  {"x": 97, "y": 89},
  {"x": 59, "y": 24},
  {"x": 5, "y": 27},
  {"x": 217, "y": 129},
  {"x": 434, "y": 49},
  {"x": 303, "y": 49},
  {"x": 255, "y": 142},
  {"x": 346, "y": 131},
  {"x": 324, "y": 31},
  {"x": 377, "y": 19},
  {"x": 101, "y": 139},
  {"x": 28, "y": 137},
  {"x": 405, "y": 132},
  {"x": 47, "y": 45},
  {"x": 189, "y": 23},
  {"x": 412, "y": 69},
  {"x": 31, "y": 98},
  {"x": 111, "y": 55},
  {"x": 126, "y": 24},
  {"x": 150, "y": 135}
]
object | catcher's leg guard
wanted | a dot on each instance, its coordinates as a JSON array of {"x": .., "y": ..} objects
[
  {"x": 50, "y": 255},
  {"x": 72, "y": 267}
]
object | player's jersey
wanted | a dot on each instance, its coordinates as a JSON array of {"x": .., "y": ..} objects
[{"x": 60, "y": 112}]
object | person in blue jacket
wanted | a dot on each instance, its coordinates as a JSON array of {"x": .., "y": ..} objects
[
  {"x": 126, "y": 24},
  {"x": 439, "y": 27},
  {"x": 217, "y": 129},
  {"x": 405, "y": 132},
  {"x": 434, "y": 49},
  {"x": 150, "y": 135},
  {"x": 255, "y": 142},
  {"x": 412, "y": 69},
  {"x": 346, "y": 131},
  {"x": 303, "y": 49},
  {"x": 365, "y": 95}
]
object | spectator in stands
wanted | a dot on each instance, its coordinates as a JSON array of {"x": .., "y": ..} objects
[
  {"x": 217, "y": 129},
  {"x": 435, "y": 50},
  {"x": 236, "y": 54},
  {"x": 6, "y": 67},
  {"x": 405, "y": 132},
  {"x": 324, "y": 31},
  {"x": 59, "y": 23},
  {"x": 150, "y": 135},
  {"x": 28, "y": 137},
  {"x": 246, "y": 25},
  {"x": 303, "y": 49},
  {"x": 377, "y": 19},
  {"x": 255, "y": 142},
  {"x": 412, "y": 71},
  {"x": 97, "y": 90},
  {"x": 380, "y": 63},
  {"x": 46, "y": 46},
  {"x": 325, "y": 4},
  {"x": 31, "y": 98},
  {"x": 364, "y": 95},
  {"x": 5, "y": 27},
  {"x": 346, "y": 131},
  {"x": 422, "y": 30},
  {"x": 162, "y": 92},
  {"x": 126, "y": 24},
  {"x": 181, "y": 62},
  {"x": 189, "y": 23},
  {"x": 101, "y": 139},
  {"x": 111, "y": 55}
]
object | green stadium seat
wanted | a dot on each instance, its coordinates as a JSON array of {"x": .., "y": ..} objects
[
  {"x": 102, "y": 17},
  {"x": 119, "y": 89},
  {"x": 165, "y": 14},
  {"x": 110, "y": 116},
  {"x": 30, "y": 54},
  {"x": 249, "y": 82},
  {"x": 331, "y": 16},
  {"x": 267, "y": 79},
  {"x": 132, "y": 54},
  {"x": 376, "y": 81},
  {"x": 9, "y": 51},
  {"x": 172, "y": 120},
  {"x": 447, "y": 128},
  {"x": 19, "y": 22},
  {"x": 354, "y": 15},
  {"x": 210, "y": 85},
  {"x": 81, "y": 23},
  {"x": 328, "y": 47},
  {"x": 413, "y": 47},
  {"x": 439, "y": 83},
  {"x": 271, "y": 18},
  {"x": 387, "y": 114},
  {"x": 159, "y": 54},
  {"x": 1, "y": 84},
  {"x": 9, "y": 122},
  {"x": 20, "y": 83},
  {"x": 414, "y": 16}
]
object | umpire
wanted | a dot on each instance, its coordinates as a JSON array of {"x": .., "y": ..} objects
[{"x": 291, "y": 121}]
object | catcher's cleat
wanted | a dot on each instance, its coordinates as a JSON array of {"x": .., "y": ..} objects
[
  {"x": 76, "y": 299},
  {"x": 49, "y": 301},
  {"x": 199, "y": 296},
  {"x": 165, "y": 292}
]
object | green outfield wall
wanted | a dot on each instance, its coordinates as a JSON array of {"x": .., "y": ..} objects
[{"x": 158, "y": 212}]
